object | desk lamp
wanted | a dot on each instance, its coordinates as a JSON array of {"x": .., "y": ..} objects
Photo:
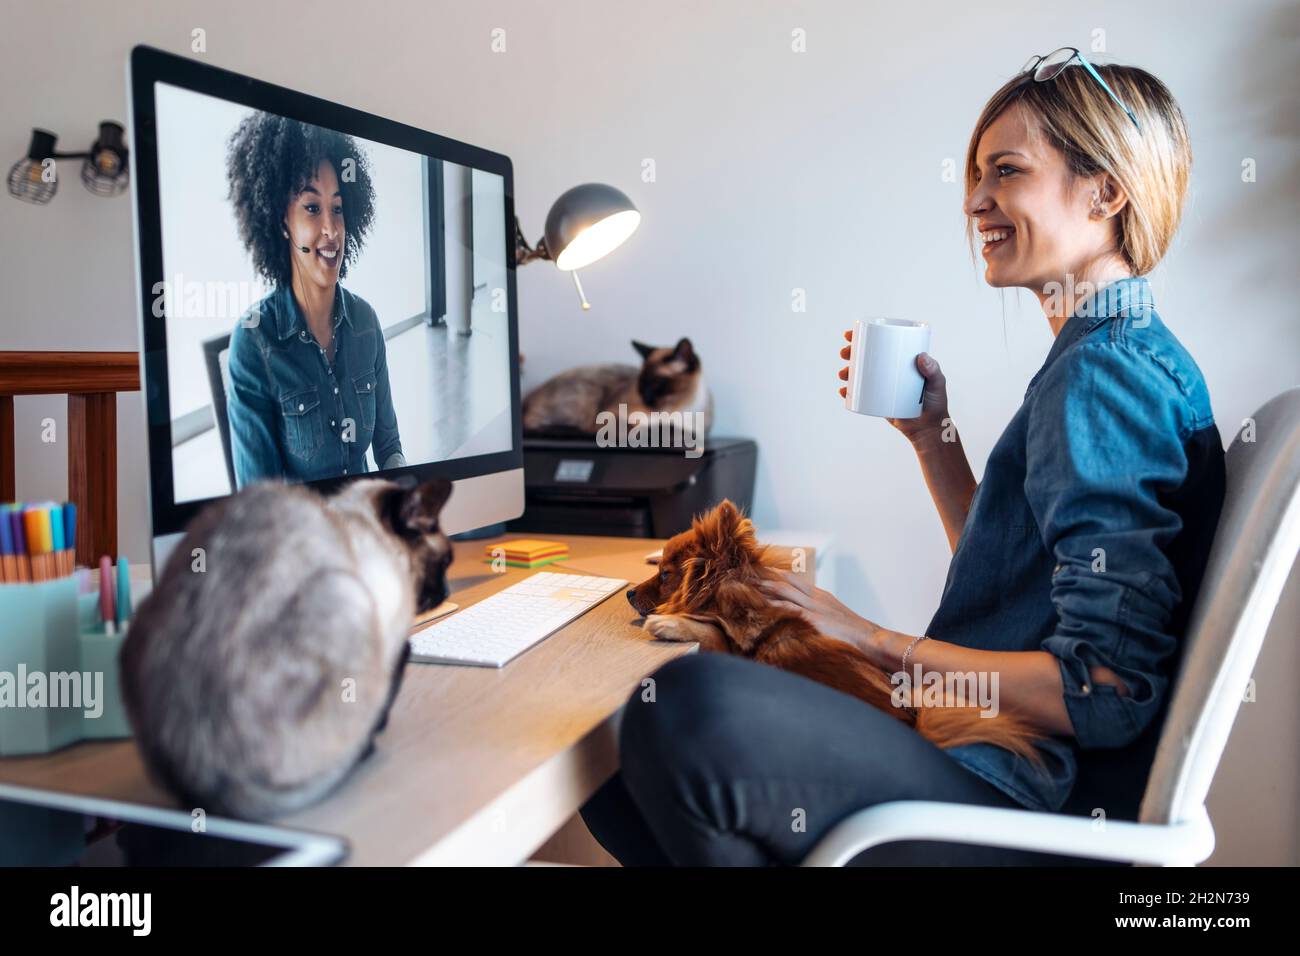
[{"x": 586, "y": 223}]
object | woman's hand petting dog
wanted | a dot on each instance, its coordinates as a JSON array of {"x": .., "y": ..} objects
[
  {"x": 821, "y": 609},
  {"x": 717, "y": 585}
]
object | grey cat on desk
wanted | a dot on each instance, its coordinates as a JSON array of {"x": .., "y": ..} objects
[
  {"x": 261, "y": 666},
  {"x": 670, "y": 379}
]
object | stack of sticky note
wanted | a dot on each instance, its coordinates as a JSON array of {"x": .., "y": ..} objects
[{"x": 527, "y": 552}]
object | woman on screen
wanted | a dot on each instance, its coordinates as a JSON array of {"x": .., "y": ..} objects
[{"x": 308, "y": 392}]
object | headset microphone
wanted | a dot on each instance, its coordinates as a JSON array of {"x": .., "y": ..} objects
[{"x": 285, "y": 230}]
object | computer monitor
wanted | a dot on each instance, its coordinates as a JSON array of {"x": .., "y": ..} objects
[{"x": 323, "y": 295}]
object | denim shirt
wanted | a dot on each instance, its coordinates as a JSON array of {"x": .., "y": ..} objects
[
  {"x": 295, "y": 416},
  {"x": 1087, "y": 538}
]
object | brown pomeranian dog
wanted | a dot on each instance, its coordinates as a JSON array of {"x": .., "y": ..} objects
[{"x": 706, "y": 590}]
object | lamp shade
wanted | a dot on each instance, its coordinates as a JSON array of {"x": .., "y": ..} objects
[
  {"x": 104, "y": 172},
  {"x": 587, "y": 222},
  {"x": 28, "y": 178}
]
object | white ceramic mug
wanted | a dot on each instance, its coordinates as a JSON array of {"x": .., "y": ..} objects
[{"x": 883, "y": 380}]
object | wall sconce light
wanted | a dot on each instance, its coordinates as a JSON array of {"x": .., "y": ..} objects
[
  {"x": 104, "y": 169},
  {"x": 585, "y": 224}
]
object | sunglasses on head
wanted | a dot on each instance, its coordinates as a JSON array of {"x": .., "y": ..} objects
[{"x": 1051, "y": 66}]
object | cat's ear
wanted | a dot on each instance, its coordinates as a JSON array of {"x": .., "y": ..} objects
[
  {"x": 414, "y": 511},
  {"x": 684, "y": 352},
  {"x": 642, "y": 349}
]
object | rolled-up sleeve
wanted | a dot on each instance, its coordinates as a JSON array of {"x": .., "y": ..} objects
[{"x": 1105, "y": 446}]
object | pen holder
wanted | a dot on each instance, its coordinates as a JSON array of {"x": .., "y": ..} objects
[
  {"x": 58, "y": 669},
  {"x": 99, "y": 655}
]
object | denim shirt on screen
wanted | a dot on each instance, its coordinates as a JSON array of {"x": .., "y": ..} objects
[
  {"x": 295, "y": 416},
  {"x": 1087, "y": 538}
]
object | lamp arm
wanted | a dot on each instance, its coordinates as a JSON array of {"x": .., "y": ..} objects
[{"x": 524, "y": 253}]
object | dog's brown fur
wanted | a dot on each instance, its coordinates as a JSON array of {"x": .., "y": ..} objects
[{"x": 706, "y": 590}]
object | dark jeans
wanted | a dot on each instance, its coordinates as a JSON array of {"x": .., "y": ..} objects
[{"x": 739, "y": 764}]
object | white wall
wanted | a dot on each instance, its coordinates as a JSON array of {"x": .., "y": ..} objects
[{"x": 775, "y": 170}]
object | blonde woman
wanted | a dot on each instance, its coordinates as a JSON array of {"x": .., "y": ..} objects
[{"x": 1075, "y": 560}]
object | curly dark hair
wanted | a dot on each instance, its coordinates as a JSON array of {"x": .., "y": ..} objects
[{"x": 269, "y": 161}]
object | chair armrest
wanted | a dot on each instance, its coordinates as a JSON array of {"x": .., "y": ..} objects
[{"x": 1177, "y": 844}]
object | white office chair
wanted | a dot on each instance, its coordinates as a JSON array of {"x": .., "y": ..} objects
[{"x": 1254, "y": 549}]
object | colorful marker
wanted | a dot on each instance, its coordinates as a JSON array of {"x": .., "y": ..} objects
[
  {"x": 70, "y": 533},
  {"x": 123, "y": 593},
  {"x": 37, "y": 525},
  {"x": 107, "y": 613},
  {"x": 46, "y": 541},
  {"x": 8, "y": 566},
  {"x": 38, "y": 541},
  {"x": 56, "y": 541},
  {"x": 18, "y": 529}
]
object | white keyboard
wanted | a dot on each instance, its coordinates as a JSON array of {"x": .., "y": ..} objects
[{"x": 501, "y": 627}]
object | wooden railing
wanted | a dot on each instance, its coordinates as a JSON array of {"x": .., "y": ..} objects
[{"x": 91, "y": 380}]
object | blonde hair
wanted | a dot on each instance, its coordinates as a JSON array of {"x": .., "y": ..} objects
[{"x": 1080, "y": 119}]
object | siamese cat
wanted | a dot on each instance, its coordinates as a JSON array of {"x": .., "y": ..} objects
[
  {"x": 263, "y": 663},
  {"x": 669, "y": 380}
]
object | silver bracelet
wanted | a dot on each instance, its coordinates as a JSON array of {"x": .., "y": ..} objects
[{"x": 908, "y": 653}]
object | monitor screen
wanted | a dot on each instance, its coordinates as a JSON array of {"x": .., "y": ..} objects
[{"x": 332, "y": 293}]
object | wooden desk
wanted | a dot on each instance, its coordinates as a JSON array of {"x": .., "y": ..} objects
[{"x": 476, "y": 766}]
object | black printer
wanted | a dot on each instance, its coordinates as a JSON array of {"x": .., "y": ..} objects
[{"x": 574, "y": 486}]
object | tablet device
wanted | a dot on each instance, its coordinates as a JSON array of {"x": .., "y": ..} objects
[{"x": 43, "y": 828}]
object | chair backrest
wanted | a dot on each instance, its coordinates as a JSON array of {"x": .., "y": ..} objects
[
  {"x": 91, "y": 380},
  {"x": 216, "y": 354},
  {"x": 1254, "y": 550}
]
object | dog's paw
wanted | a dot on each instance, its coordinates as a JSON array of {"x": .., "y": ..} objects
[
  {"x": 666, "y": 627},
  {"x": 684, "y": 629}
]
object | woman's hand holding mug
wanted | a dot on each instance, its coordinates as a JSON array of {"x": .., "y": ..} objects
[{"x": 934, "y": 398}]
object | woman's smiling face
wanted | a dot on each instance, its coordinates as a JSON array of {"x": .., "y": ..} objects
[
  {"x": 315, "y": 220},
  {"x": 1032, "y": 214}
]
